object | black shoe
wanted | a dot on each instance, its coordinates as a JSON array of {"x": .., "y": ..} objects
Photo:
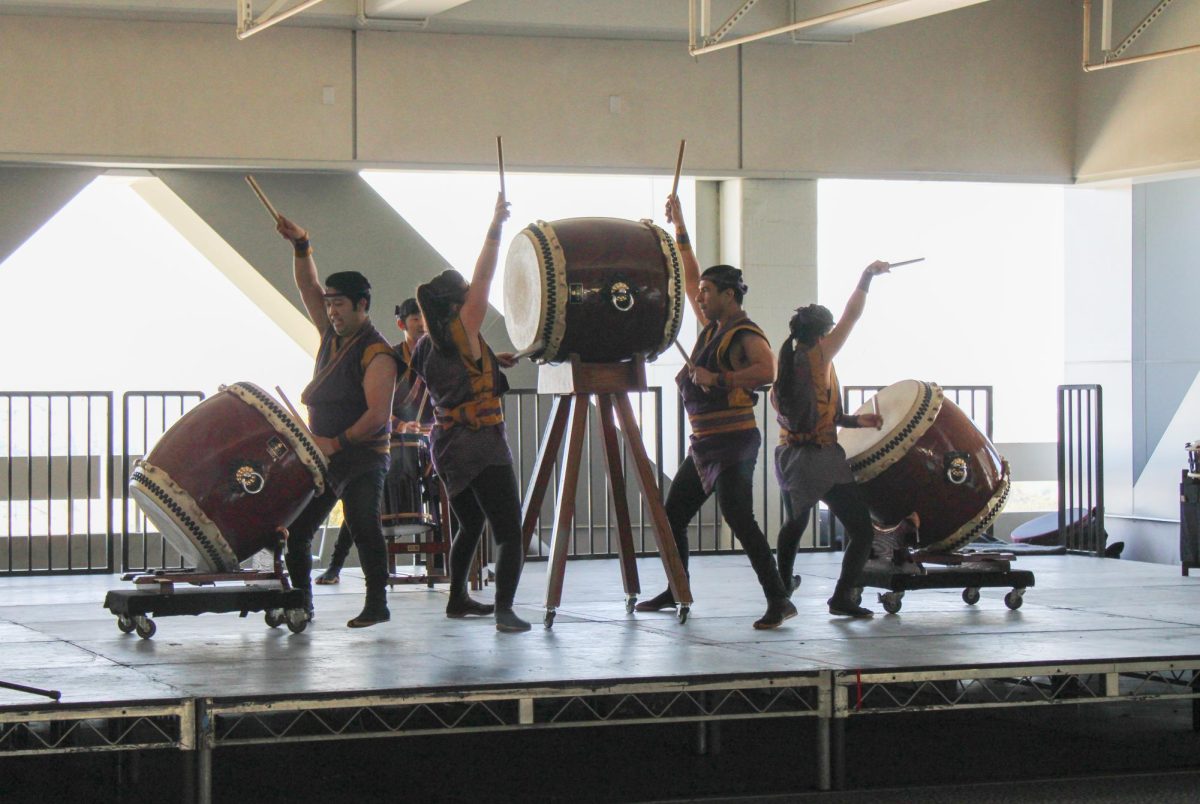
[
  {"x": 329, "y": 577},
  {"x": 846, "y": 607},
  {"x": 508, "y": 622},
  {"x": 370, "y": 615},
  {"x": 778, "y": 610},
  {"x": 459, "y": 607},
  {"x": 663, "y": 600}
]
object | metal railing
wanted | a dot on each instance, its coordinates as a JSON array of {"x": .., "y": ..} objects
[
  {"x": 56, "y": 472},
  {"x": 145, "y": 416},
  {"x": 1081, "y": 469}
]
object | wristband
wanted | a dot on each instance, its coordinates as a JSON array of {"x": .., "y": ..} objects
[
  {"x": 723, "y": 380},
  {"x": 682, "y": 239},
  {"x": 343, "y": 441},
  {"x": 493, "y": 232},
  {"x": 864, "y": 283},
  {"x": 303, "y": 248}
]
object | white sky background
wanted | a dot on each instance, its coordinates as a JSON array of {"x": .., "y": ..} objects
[
  {"x": 108, "y": 296},
  {"x": 985, "y": 308}
]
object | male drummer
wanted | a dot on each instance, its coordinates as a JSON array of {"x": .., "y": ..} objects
[
  {"x": 406, "y": 404},
  {"x": 809, "y": 463},
  {"x": 349, "y": 407},
  {"x": 731, "y": 358}
]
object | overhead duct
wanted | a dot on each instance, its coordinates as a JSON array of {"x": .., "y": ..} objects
[
  {"x": 828, "y": 19},
  {"x": 407, "y": 9}
]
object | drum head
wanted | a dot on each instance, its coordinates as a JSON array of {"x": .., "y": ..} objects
[
  {"x": 898, "y": 404},
  {"x": 524, "y": 292}
]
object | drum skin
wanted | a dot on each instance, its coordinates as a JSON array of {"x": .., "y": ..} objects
[
  {"x": 950, "y": 474},
  {"x": 602, "y": 288},
  {"x": 231, "y": 462}
]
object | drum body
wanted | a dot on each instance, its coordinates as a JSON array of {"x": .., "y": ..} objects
[
  {"x": 602, "y": 288},
  {"x": 224, "y": 478},
  {"x": 928, "y": 458},
  {"x": 406, "y": 508}
]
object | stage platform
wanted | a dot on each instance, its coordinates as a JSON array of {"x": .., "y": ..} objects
[{"x": 1091, "y": 631}]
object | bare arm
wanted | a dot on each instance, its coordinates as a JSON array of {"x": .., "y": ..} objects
[
  {"x": 312, "y": 293},
  {"x": 475, "y": 307},
  {"x": 379, "y": 382},
  {"x": 691, "y": 267},
  {"x": 836, "y": 339}
]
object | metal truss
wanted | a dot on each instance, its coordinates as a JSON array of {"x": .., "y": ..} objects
[
  {"x": 881, "y": 693},
  {"x": 61, "y": 730},
  {"x": 356, "y": 717},
  {"x": 1113, "y": 57}
]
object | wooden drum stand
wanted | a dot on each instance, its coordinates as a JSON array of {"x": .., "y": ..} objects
[{"x": 573, "y": 385}]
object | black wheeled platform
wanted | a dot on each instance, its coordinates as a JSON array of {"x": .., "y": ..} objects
[
  {"x": 135, "y": 607},
  {"x": 969, "y": 580}
]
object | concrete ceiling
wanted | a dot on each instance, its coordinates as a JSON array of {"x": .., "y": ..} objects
[{"x": 621, "y": 19}]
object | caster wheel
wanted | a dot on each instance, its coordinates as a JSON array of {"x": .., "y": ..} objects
[
  {"x": 892, "y": 601},
  {"x": 858, "y": 596},
  {"x": 296, "y": 619},
  {"x": 125, "y": 624},
  {"x": 1014, "y": 599},
  {"x": 144, "y": 626},
  {"x": 548, "y": 621},
  {"x": 630, "y": 602},
  {"x": 274, "y": 617},
  {"x": 970, "y": 595},
  {"x": 683, "y": 614}
]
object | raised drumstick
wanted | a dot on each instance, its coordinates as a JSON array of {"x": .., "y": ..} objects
[
  {"x": 678, "y": 167},
  {"x": 500, "y": 163},
  {"x": 262, "y": 197},
  {"x": 875, "y": 410},
  {"x": 905, "y": 262}
]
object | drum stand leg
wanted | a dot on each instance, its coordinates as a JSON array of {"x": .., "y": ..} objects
[
  {"x": 616, "y": 477},
  {"x": 564, "y": 516},
  {"x": 543, "y": 467}
]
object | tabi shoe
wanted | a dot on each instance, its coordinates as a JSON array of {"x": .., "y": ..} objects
[
  {"x": 778, "y": 610},
  {"x": 329, "y": 577},
  {"x": 370, "y": 615},
  {"x": 508, "y": 622},
  {"x": 458, "y": 607},
  {"x": 844, "y": 607},
  {"x": 663, "y": 600}
]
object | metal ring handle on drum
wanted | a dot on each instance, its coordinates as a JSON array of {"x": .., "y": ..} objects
[
  {"x": 957, "y": 471},
  {"x": 621, "y": 295},
  {"x": 250, "y": 481}
]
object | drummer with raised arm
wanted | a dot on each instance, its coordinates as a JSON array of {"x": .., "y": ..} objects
[
  {"x": 731, "y": 359},
  {"x": 469, "y": 445},
  {"x": 406, "y": 406},
  {"x": 349, "y": 408},
  {"x": 809, "y": 463}
]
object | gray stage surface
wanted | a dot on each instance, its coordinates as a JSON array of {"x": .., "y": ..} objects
[{"x": 55, "y": 634}]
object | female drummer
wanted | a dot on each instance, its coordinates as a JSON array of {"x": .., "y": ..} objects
[
  {"x": 469, "y": 447},
  {"x": 809, "y": 463}
]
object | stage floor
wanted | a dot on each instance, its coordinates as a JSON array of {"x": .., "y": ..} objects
[{"x": 55, "y": 634}]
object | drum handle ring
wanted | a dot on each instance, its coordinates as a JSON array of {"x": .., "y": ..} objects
[
  {"x": 250, "y": 481},
  {"x": 957, "y": 471},
  {"x": 622, "y": 296}
]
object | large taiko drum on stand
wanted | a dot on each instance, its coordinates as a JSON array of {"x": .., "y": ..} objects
[
  {"x": 224, "y": 478},
  {"x": 928, "y": 458},
  {"x": 602, "y": 288},
  {"x": 406, "y": 508}
]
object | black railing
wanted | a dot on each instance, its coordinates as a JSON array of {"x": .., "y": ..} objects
[
  {"x": 57, "y": 463},
  {"x": 145, "y": 416},
  {"x": 1081, "y": 469}
]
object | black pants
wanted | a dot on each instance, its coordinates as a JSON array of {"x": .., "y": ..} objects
[
  {"x": 360, "y": 507},
  {"x": 491, "y": 496},
  {"x": 846, "y": 502},
  {"x": 735, "y": 493}
]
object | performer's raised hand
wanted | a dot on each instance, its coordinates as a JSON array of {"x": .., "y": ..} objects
[
  {"x": 879, "y": 267},
  {"x": 290, "y": 231},
  {"x": 501, "y": 212},
  {"x": 674, "y": 210}
]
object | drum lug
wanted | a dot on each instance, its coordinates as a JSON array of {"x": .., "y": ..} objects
[
  {"x": 249, "y": 479},
  {"x": 958, "y": 470},
  {"x": 621, "y": 294}
]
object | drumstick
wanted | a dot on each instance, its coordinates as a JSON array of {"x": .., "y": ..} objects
[
  {"x": 524, "y": 353},
  {"x": 678, "y": 167},
  {"x": 686, "y": 359},
  {"x": 421, "y": 408},
  {"x": 262, "y": 197},
  {"x": 500, "y": 162},
  {"x": 905, "y": 262},
  {"x": 875, "y": 410},
  {"x": 295, "y": 415}
]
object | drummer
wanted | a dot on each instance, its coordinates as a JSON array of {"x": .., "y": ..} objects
[
  {"x": 469, "y": 447},
  {"x": 349, "y": 407},
  {"x": 406, "y": 403},
  {"x": 809, "y": 463},
  {"x": 731, "y": 358}
]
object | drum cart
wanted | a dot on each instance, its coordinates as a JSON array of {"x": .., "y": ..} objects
[
  {"x": 907, "y": 571},
  {"x": 156, "y": 595}
]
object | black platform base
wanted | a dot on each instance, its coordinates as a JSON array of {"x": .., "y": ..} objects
[
  {"x": 969, "y": 580},
  {"x": 135, "y": 607}
]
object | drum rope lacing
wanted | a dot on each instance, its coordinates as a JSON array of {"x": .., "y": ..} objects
[
  {"x": 299, "y": 435},
  {"x": 550, "y": 286},
  {"x": 676, "y": 292},
  {"x": 180, "y": 515}
]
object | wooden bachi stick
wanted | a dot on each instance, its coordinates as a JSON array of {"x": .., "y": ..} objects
[
  {"x": 678, "y": 167},
  {"x": 262, "y": 197}
]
